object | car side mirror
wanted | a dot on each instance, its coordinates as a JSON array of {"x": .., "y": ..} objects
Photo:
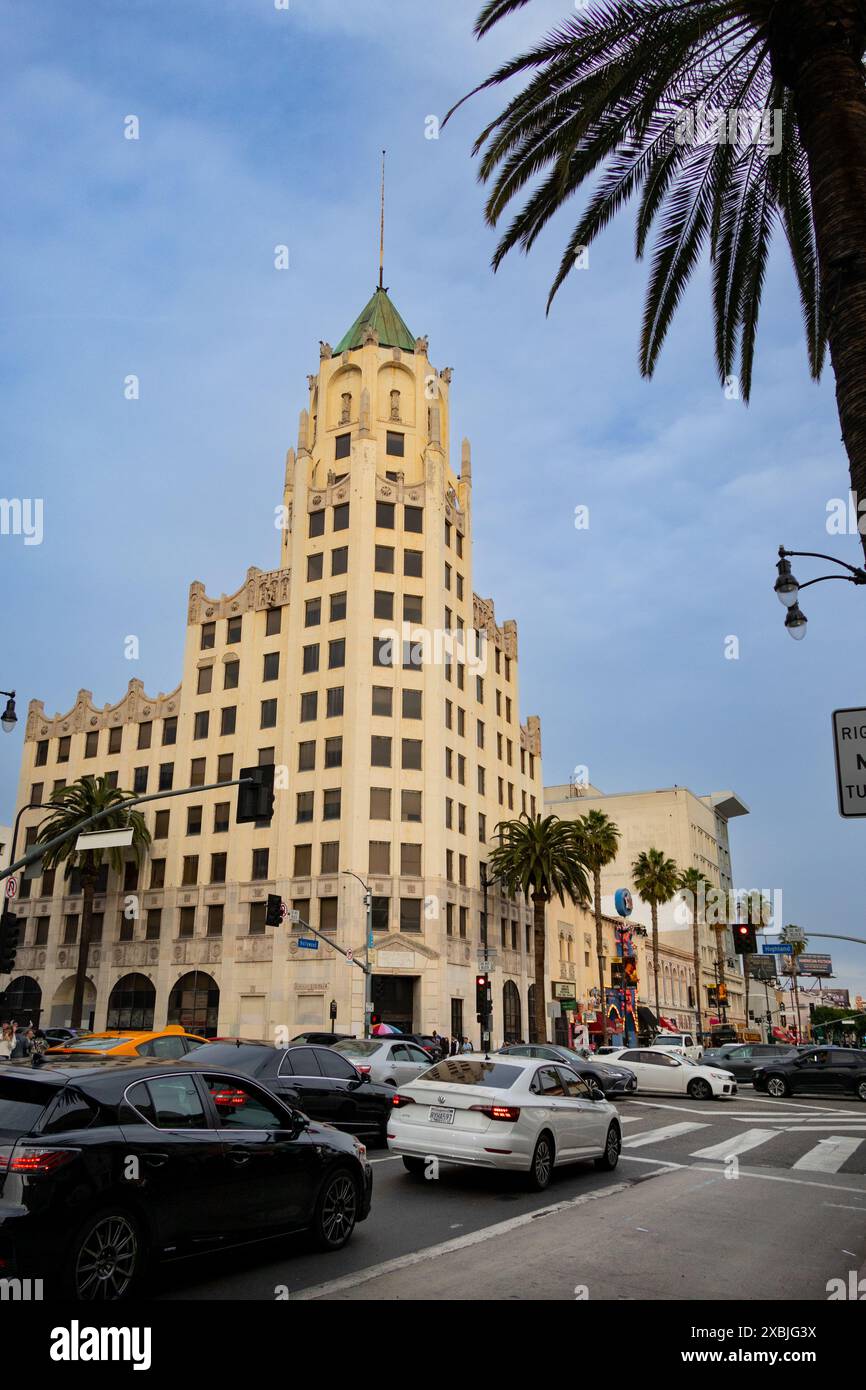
[{"x": 595, "y": 1091}]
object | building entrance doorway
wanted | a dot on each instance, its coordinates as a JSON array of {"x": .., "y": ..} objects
[{"x": 394, "y": 1000}]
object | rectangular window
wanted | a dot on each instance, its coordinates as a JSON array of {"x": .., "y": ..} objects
[
  {"x": 161, "y": 823},
  {"x": 461, "y": 818},
  {"x": 383, "y": 700},
  {"x": 410, "y": 805},
  {"x": 169, "y": 731},
  {"x": 215, "y": 919},
  {"x": 413, "y": 563},
  {"x": 334, "y": 702},
  {"x": 343, "y": 446},
  {"x": 334, "y": 751},
  {"x": 233, "y": 629},
  {"x": 269, "y": 715},
  {"x": 224, "y": 767},
  {"x": 139, "y": 780},
  {"x": 383, "y": 651},
  {"x": 479, "y": 733},
  {"x": 315, "y": 567},
  {"x": 380, "y": 751},
  {"x": 380, "y": 803},
  {"x": 41, "y": 934},
  {"x": 305, "y": 807},
  {"x": 380, "y": 857},
  {"x": 340, "y": 560},
  {"x": 381, "y": 914},
  {"x": 307, "y": 755},
  {"x": 201, "y": 724},
  {"x": 311, "y": 658},
  {"x": 449, "y": 865},
  {"x": 459, "y": 587},
  {"x": 153, "y": 924},
  {"x": 395, "y": 443},
  {"x": 385, "y": 515},
  {"x": 228, "y": 720},
  {"x": 145, "y": 734},
  {"x": 410, "y": 860},
  {"x": 190, "y": 870},
  {"x": 331, "y": 809},
  {"x": 273, "y": 621},
  {"x": 338, "y": 607},
  {"x": 312, "y": 612},
  {"x": 204, "y": 683},
  {"x": 461, "y": 878},
  {"x": 384, "y": 559},
  {"x": 157, "y": 873},
  {"x": 411, "y": 704},
  {"x": 413, "y": 608},
  {"x": 42, "y": 748},
  {"x": 410, "y": 914},
  {"x": 482, "y": 827},
  {"x": 115, "y": 740},
  {"x": 459, "y": 545},
  {"x": 221, "y": 814},
  {"x": 449, "y": 919},
  {"x": 341, "y": 516},
  {"x": 257, "y": 919},
  {"x": 464, "y": 916},
  {"x": 271, "y": 666},
  {"x": 260, "y": 864},
  {"x": 317, "y": 523},
  {"x": 449, "y": 813},
  {"x": 309, "y": 703},
  {"x": 336, "y": 653},
  {"x": 208, "y": 636},
  {"x": 413, "y": 518},
  {"x": 383, "y": 604},
  {"x": 231, "y": 675},
  {"x": 447, "y": 572},
  {"x": 330, "y": 856},
  {"x": 411, "y": 753},
  {"x": 91, "y": 744},
  {"x": 327, "y": 914},
  {"x": 303, "y": 861},
  {"x": 186, "y": 922},
  {"x": 193, "y": 820}
]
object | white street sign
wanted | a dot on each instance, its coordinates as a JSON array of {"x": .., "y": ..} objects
[
  {"x": 793, "y": 934},
  {"x": 11, "y": 887},
  {"x": 105, "y": 839},
  {"x": 294, "y": 914},
  {"x": 350, "y": 956},
  {"x": 849, "y": 737}
]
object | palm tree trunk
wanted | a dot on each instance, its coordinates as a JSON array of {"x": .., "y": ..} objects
[
  {"x": 599, "y": 948},
  {"x": 655, "y": 918},
  {"x": 538, "y": 905},
  {"x": 817, "y": 48},
  {"x": 696, "y": 943},
  {"x": 88, "y": 882}
]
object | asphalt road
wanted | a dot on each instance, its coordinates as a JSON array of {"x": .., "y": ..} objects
[{"x": 746, "y": 1198}]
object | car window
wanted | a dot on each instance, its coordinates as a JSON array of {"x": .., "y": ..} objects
[
  {"x": 240, "y": 1106},
  {"x": 547, "y": 1082},
  {"x": 660, "y": 1059},
  {"x": 70, "y": 1111},
  {"x": 416, "y": 1054},
  {"x": 634, "y": 1055},
  {"x": 400, "y": 1052},
  {"x": 300, "y": 1061},
  {"x": 574, "y": 1086},
  {"x": 334, "y": 1065},
  {"x": 22, "y": 1102},
  {"x": 358, "y": 1047},
  {"x": 742, "y": 1052},
  {"x": 167, "y": 1049},
  {"x": 169, "y": 1102}
]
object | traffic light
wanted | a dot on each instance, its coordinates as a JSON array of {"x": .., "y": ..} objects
[
  {"x": 256, "y": 794},
  {"x": 482, "y": 998},
  {"x": 274, "y": 910},
  {"x": 374, "y": 1019},
  {"x": 10, "y": 934},
  {"x": 745, "y": 939}
]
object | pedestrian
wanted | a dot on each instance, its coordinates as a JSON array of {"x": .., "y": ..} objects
[
  {"x": 436, "y": 1041},
  {"x": 39, "y": 1042},
  {"x": 467, "y": 1046},
  {"x": 446, "y": 1047},
  {"x": 20, "y": 1045},
  {"x": 454, "y": 1047},
  {"x": 7, "y": 1042}
]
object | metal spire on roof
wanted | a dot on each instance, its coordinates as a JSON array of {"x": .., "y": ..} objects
[{"x": 382, "y": 230}]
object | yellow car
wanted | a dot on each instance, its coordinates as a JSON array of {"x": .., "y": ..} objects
[{"x": 166, "y": 1043}]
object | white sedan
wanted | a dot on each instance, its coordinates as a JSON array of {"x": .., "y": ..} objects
[
  {"x": 522, "y": 1114},
  {"x": 673, "y": 1075}
]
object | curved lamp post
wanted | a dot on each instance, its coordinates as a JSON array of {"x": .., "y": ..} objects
[{"x": 787, "y": 587}]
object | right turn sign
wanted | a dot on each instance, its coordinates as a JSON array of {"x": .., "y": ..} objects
[{"x": 849, "y": 736}]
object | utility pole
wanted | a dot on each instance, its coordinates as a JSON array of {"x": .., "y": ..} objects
[{"x": 367, "y": 966}]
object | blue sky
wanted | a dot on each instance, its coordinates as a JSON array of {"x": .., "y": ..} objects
[{"x": 261, "y": 126}]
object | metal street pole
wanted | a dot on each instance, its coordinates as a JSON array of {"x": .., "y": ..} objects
[{"x": 367, "y": 967}]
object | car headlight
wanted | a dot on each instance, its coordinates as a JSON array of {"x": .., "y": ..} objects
[{"x": 722, "y": 1075}]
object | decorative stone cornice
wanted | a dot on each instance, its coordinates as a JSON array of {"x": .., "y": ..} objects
[
  {"x": 261, "y": 589},
  {"x": 387, "y": 490},
  {"x": 329, "y": 495},
  {"x": 484, "y": 620},
  {"x": 85, "y": 717}
]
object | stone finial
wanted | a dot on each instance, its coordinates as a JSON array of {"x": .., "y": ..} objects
[
  {"x": 446, "y": 374},
  {"x": 533, "y": 729},
  {"x": 422, "y": 345},
  {"x": 304, "y": 432},
  {"x": 312, "y": 382},
  {"x": 364, "y": 413},
  {"x": 325, "y": 350},
  {"x": 290, "y": 468},
  {"x": 370, "y": 336},
  {"x": 466, "y": 461}
]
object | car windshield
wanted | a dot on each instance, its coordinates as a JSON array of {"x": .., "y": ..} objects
[
  {"x": 99, "y": 1044},
  {"x": 359, "y": 1047},
  {"x": 472, "y": 1071}
]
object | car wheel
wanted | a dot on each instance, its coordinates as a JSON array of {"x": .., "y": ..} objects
[
  {"x": 699, "y": 1089},
  {"x": 336, "y": 1210},
  {"x": 861, "y": 1089},
  {"x": 415, "y": 1166},
  {"x": 607, "y": 1161},
  {"x": 106, "y": 1257},
  {"x": 777, "y": 1087},
  {"x": 541, "y": 1166}
]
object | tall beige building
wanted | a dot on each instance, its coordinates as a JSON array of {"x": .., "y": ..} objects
[
  {"x": 693, "y": 831},
  {"x": 397, "y": 743}
]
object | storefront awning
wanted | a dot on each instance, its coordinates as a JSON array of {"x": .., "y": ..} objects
[{"x": 647, "y": 1019}]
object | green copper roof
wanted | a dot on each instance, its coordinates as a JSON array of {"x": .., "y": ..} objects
[{"x": 381, "y": 315}]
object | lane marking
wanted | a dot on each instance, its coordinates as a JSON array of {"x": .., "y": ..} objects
[
  {"x": 447, "y": 1247},
  {"x": 656, "y": 1136},
  {"x": 829, "y": 1154},
  {"x": 756, "y": 1173},
  {"x": 739, "y": 1144}
]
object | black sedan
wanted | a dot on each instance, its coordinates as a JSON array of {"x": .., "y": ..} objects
[
  {"x": 108, "y": 1166},
  {"x": 743, "y": 1059},
  {"x": 318, "y": 1080},
  {"x": 321, "y": 1039},
  {"x": 819, "y": 1070},
  {"x": 614, "y": 1081}
]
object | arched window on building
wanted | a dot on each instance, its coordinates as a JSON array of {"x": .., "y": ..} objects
[
  {"x": 23, "y": 1001},
  {"x": 131, "y": 1003},
  {"x": 194, "y": 1003},
  {"x": 511, "y": 1029}
]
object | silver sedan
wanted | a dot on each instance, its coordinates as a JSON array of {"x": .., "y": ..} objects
[{"x": 387, "y": 1061}]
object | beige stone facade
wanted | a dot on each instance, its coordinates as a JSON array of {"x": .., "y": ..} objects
[{"x": 394, "y": 772}]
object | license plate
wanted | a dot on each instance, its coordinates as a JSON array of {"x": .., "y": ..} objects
[{"x": 441, "y": 1115}]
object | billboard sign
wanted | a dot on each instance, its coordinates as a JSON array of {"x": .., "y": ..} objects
[
  {"x": 761, "y": 967},
  {"x": 836, "y": 998},
  {"x": 809, "y": 964}
]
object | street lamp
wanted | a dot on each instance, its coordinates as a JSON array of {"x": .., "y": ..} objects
[
  {"x": 787, "y": 588},
  {"x": 368, "y": 969},
  {"x": 9, "y": 718}
]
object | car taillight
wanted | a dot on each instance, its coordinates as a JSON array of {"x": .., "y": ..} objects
[
  {"x": 32, "y": 1160},
  {"x": 363, "y": 1069},
  {"x": 498, "y": 1112},
  {"x": 397, "y": 1100}
]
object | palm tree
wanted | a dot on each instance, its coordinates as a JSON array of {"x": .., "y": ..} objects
[
  {"x": 72, "y": 805},
  {"x": 540, "y": 857},
  {"x": 613, "y": 92},
  {"x": 599, "y": 841},
  {"x": 693, "y": 886},
  {"x": 656, "y": 880}
]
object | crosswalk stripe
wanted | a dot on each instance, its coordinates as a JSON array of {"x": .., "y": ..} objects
[
  {"x": 829, "y": 1154},
  {"x": 654, "y": 1136},
  {"x": 737, "y": 1144}
]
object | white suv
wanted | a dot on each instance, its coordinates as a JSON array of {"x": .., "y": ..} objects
[{"x": 682, "y": 1043}]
